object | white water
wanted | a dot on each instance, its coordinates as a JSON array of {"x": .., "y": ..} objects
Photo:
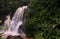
[{"x": 16, "y": 22}]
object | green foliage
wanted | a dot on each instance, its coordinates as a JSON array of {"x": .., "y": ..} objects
[
  {"x": 39, "y": 36},
  {"x": 10, "y": 5},
  {"x": 42, "y": 16}
]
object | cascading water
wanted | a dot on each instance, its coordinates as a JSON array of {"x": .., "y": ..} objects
[{"x": 16, "y": 21}]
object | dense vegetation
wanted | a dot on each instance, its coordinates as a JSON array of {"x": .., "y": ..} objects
[{"x": 42, "y": 17}]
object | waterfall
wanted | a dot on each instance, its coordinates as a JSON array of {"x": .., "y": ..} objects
[{"x": 16, "y": 21}]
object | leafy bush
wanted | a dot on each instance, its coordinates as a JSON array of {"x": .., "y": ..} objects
[{"x": 43, "y": 16}]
